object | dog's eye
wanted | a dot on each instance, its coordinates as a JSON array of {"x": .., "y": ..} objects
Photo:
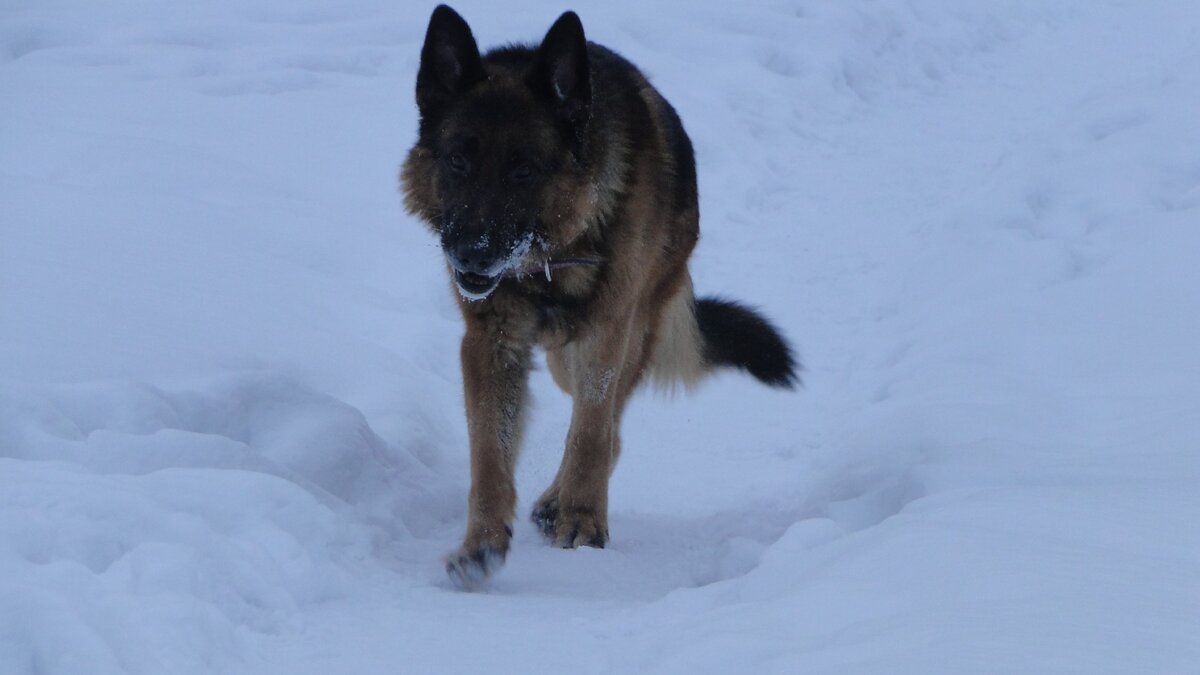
[
  {"x": 457, "y": 163},
  {"x": 521, "y": 172}
]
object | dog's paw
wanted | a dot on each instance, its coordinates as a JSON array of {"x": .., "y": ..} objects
[
  {"x": 580, "y": 527},
  {"x": 470, "y": 570},
  {"x": 479, "y": 558},
  {"x": 570, "y": 527}
]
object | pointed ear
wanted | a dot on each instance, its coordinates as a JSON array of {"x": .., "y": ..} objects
[
  {"x": 562, "y": 70},
  {"x": 450, "y": 61}
]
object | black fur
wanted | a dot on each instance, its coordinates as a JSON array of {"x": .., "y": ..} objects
[
  {"x": 735, "y": 335},
  {"x": 683, "y": 156}
]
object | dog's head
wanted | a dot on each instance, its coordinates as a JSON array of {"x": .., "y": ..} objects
[{"x": 500, "y": 169}]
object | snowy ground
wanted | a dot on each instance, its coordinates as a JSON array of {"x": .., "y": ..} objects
[{"x": 231, "y": 436}]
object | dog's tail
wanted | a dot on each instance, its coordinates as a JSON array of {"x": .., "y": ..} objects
[
  {"x": 700, "y": 335},
  {"x": 735, "y": 335}
]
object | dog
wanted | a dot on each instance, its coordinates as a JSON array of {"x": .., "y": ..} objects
[{"x": 562, "y": 186}]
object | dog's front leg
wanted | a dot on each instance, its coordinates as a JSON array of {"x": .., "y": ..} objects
[
  {"x": 574, "y": 510},
  {"x": 495, "y": 374}
]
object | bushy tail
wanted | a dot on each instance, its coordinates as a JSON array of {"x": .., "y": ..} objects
[{"x": 735, "y": 335}]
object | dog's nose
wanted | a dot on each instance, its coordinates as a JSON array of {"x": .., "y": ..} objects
[{"x": 472, "y": 257}]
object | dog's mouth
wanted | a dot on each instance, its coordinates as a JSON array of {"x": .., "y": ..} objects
[
  {"x": 479, "y": 281},
  {"x": 476, "y": 286}
]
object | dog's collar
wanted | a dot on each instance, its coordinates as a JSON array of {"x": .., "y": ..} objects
[{"x": 548, "y": 264}]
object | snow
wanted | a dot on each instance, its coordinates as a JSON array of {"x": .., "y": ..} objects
[{"x": 231, "y": 429}]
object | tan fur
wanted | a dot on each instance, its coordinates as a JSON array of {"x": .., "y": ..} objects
[
  {"x": 678, "y": 357},
  {"x": 603, "y": 328},
  {"x": 641, "y": 321}
]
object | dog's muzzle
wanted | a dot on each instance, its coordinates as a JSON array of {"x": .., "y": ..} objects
[
  {"x": 475, "y": 286},
  {"x": 477, "y": 270}
]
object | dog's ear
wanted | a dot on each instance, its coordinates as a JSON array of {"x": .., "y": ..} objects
[
  {"x": 561, "y": 71},
  {"x": 450, "y": 61}
]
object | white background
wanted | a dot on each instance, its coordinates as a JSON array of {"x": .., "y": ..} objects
[{"x": 231, "y": 430}]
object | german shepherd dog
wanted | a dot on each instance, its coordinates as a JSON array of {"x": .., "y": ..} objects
[{"x": 563, "y": 188}]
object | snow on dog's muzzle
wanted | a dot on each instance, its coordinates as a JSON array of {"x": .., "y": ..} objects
[{"x": 476, "y": 275}]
